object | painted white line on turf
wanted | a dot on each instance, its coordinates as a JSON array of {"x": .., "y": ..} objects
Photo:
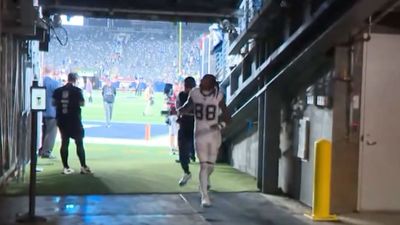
[
  {"x": 157, "y": 142},
  {"x": 122, "y": 122}
]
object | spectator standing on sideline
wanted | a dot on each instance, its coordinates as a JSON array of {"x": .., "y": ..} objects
[
  {"x": 109, "y": 92},
  {"x": 139, "y": 87},
  {"x": 149, "y": 97},
  {"x": 89, "y": 89},
  {"x": 173, "y": 125},
  {"x": 186, "y": 132},
  {"x": 68, "y": 100},
  {"x": 49, "y": 116}
]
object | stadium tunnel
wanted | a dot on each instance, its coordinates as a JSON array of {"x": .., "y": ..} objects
[{"x": 294, "y": 72}]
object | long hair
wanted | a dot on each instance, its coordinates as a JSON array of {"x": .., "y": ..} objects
[{"x": 214, "y": 82}]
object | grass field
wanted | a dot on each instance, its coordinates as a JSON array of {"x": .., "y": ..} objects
[
  {"x": 124, "y": 169},
  {"x": 127, "y": 108}
]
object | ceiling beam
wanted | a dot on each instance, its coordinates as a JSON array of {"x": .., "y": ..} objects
[{"x": 171, "y": 10}]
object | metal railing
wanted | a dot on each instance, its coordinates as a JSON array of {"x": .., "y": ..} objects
[{"x": 14, "y": 128}]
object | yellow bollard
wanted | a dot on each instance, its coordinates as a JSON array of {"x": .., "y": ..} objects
[{"x": 322, "y": 182}]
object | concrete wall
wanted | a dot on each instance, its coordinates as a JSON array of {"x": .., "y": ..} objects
[
  {"x": 244, "y": 152},
  {"x": 320, "y": 127},
  {"x": 339, "y": 123},
  {"x": 295, "y": 175},
  {"x": 296, "y": 172}
]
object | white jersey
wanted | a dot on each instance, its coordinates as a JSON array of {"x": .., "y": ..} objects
[{"x": 206, "y": 109}]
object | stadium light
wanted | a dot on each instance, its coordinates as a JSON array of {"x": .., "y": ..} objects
[{"x": 72, "y": 20}]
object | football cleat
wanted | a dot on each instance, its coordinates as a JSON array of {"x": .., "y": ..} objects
[
  {"x": 205, "y": 201},
  {"x": 185, "y": 178},
  {"x": 85, "y": 170},
  {"x": 68, "y": 171}
]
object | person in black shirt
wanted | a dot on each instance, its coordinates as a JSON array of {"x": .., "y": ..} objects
[
  {"x": 185, "y": 132},
  {"x": 68, "y": 100}
]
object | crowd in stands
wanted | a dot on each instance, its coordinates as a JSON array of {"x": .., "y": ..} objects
[{"x": 149, "y": 54}]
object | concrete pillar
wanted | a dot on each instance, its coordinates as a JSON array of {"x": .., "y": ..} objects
[
  {"x": 271, "y": 151},
  {"x": 307, "y": 10},
  {"x": 345, "y": 142},
  {"x": 286, "y": 25},
  {"x": 261, "y": 44},
  {"x": 261, "y": 100}
]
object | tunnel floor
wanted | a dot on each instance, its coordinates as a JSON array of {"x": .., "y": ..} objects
[{"x": 228, "y": 208}]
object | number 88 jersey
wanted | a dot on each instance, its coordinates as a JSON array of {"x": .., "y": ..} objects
[{"x": 206, "y": 108}]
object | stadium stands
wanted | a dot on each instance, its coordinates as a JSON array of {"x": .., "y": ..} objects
[{"x": 145, "y": 49}]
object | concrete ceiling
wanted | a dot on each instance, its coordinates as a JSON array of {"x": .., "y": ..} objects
[{"x": 170, "y": 10}]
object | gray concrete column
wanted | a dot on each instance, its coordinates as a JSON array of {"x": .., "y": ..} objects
[
  {"x": 261, "y": 44},
  {"x": 261, "y": 100},
  {"x": 345, "y": 143},
  {"x": 271, "y": 152}
]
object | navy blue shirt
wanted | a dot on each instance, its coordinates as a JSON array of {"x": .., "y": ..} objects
[
  {"x": 109, "y": 93},
  {"x": 186, "y": 122},
  {"x": 68, "y": 100}
]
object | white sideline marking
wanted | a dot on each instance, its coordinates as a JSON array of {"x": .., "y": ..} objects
[
  {"x": 157, "y": 142},
  {"x": 160, "y": 141}
]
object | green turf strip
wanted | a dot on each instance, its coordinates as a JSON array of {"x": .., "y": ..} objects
[
  {"x": 122, "y": 169},
  {"x": 127, "y": 108}
]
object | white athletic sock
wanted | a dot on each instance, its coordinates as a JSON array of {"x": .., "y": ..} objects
[
  {"x": 210, "y": 170},
  {"x": 203, "y": 179}
]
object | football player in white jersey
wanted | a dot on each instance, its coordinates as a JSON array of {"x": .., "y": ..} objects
[{"x": 211, "y": 116}]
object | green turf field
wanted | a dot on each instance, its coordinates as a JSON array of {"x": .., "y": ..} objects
[
  {"x": 124, "y": 169},
  {"x": 127, "y": 108}
]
